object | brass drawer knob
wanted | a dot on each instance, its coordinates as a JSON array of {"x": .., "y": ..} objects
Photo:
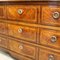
[
  {"x": 51, "y": 57},
  {"x": 53, "y": 39},
  {"x": 56, "y": 15},
  {"x": 20, "y": 30},
  {"x": 21, "y": 47},
  {"x": 20, "y": 11}
]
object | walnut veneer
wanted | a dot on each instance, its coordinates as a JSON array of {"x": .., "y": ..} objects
[{"x": 30, "y": 29}]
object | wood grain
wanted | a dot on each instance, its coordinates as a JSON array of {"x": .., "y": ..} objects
[
  {"x": 22, "y": 48},
  {"x": 36, "y": 25},
  {"x": 4, "y": 42},
  {"x": 47, "y": 15},
  {"x": 29, "y": 13},
  {"x": 45, "y": 38},
  {"x": 18, "y": 56},
  {"x": 28, "y": 33},
  {"x": 45, "y": 53},
  {"x": 2, "y": 11},
  {"x": 30, "y": 0},
  {"x": 3, "y": 28},
  {"x": 15, "y": 55}
]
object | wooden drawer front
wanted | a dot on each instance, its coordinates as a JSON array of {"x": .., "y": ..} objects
[
  {"x": 51, "y": 15},
  {"x": 3, "y": 28},
  {"x": 22, "y": 13},
  {"x": 2, "y": 11},
  {"x": 23, "y": 32},
  {"x": 18, "y": 56},
  {"x": 24, "y": 58},
  {"x": 48, "y": 55},
  {"x": 22, "y": 48},
  {"x": 3, "y": 42},
  {"x": 50, "y": 38}
]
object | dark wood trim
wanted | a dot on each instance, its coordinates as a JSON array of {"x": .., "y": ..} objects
[{"x": 30, "y": 2}]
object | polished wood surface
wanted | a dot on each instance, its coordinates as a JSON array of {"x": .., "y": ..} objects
[
  {"x": 2, "y": 12},
  {"x": 47, "y": 54},
  {"x": 29, "y": 0},
  {"x": 47, "y": 36},
  {"x": 3, "y": 42},
  {"x": 27, "y": 13},
  {"x": 15, "y": 55},
  {"x": 47, "y": 15},
  {"x": 3, "y": 28},
  {"x": 30, "y": 30},
  {"x": 22, "y": 48},
  {"x": 23, "y": 32}
]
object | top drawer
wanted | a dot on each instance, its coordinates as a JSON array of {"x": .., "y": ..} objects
[
  {"x": 22, "y": 13},
  {"x": 51, "y": 15}
]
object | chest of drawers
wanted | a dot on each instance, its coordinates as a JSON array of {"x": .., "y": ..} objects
[{"x": 30, "y": 29}]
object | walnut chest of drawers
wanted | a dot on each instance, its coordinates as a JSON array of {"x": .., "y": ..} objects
[{"x": 30, "y": 29}]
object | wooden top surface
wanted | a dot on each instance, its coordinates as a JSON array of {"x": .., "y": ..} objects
[{"x": 29, "y": 0}]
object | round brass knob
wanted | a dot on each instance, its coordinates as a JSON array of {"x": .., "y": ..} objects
[
  {"x": 20, "y": 30},
  {"x": 51, "y": 57},
  {"x": 56, "y": 15},
  {"x": 53, "y": 39},
  {"x": 21, "y": 46},
  {"x": 20, "y": 11}
]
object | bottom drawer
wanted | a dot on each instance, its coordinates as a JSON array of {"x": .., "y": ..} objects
[
  {"x": 24, "y": 58},
  {"x": 19, "y": 57},
  {"x": 7, "y": 53},
  {"x": 22, "y": 48},
  {"x": 45, "y": 54}
]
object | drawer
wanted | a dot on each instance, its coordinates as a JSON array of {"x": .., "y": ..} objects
[
  {"x": 3, "y": 28},
  {"x": 24, "y": 58},
  {"x": 18, "y": 56},
  {"x": 2, "y": 11},
  {"x": 50, "y": 38},
  {"x": 22, "y": 13},
  {"x": 22, "y": 48},
  {"x": 51, "y": 15},
  {"x": 3, "y": 42},
  {"x": 23, "y": 32},
  {"x": 48, "y": 55}
]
